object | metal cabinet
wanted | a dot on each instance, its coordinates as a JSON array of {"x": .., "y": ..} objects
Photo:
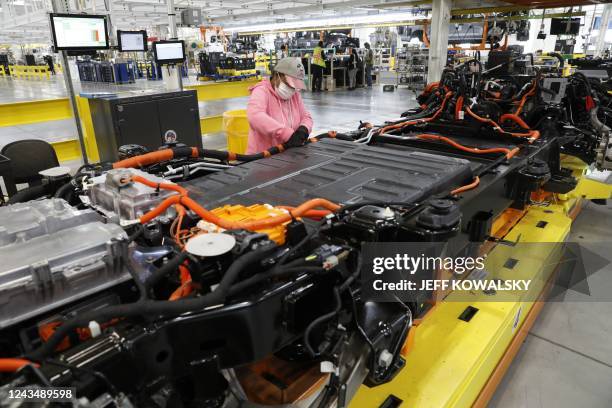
[{"x": 147, "y": 120}]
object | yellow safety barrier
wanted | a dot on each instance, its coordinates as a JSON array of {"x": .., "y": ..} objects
[
  {"x": 236, "y": 128},
  {"x": 19, "y": 113},
  {"x": 89, "y": 135},
  {"x": 223, "y": 90},
  {"x": 2, "y": 72},
  {"x": 30, "y": 71},
  {"x": 211, "y": 124},
  {"x": 67, "y": 150}
]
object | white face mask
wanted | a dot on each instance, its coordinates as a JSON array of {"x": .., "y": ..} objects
[{"x": 285, "y": 91}]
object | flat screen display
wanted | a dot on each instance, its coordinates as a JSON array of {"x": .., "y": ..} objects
[
  {"x": 130, "y": 41},
  {"x": 559, "y": 26},
  {"x": 169, "y": 52},
  {"x": 79, "y": 32}
]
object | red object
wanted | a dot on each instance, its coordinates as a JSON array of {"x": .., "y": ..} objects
[
  {"x": 458, "y": 107},
  {"x": 10, "y": 365},
  {"x": 589, "y": 103}
]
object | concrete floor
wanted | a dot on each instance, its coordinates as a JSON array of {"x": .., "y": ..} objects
[
  {"x": 566, "y": 360},
  {"x": 339, "y": 110}
]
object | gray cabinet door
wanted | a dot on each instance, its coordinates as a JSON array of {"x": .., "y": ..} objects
[
  {"x": 180, "y": 116},
  {"x": 138, "y": 124}
]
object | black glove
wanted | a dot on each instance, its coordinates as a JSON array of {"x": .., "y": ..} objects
[{"x": 298, "y": 138}]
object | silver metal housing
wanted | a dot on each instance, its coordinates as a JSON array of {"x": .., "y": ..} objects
[
  {"x": 24, "y": 221},
  {"x": 120, "y": 201},
  {"x": 52, "y": 254}
]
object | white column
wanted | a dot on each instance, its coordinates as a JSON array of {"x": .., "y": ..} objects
[
  {"x": 603, "y": 28},
  {"x": 171, "y": 19},
  {"x": 111, "y": 28},
  {"x": 438, "y": 38},
  {"x": 5, "y": 10}
]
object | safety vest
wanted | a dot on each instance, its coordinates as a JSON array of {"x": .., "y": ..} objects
[{"x": 317, "y": 57}]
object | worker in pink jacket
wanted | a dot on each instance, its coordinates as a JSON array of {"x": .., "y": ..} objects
[{"x": 276, "y": 112}]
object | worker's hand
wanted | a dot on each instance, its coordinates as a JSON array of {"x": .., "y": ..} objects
[{"x": 298, "y": 138}]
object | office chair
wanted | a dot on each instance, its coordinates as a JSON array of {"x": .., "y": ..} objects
[{"x": 28, "y": 157}]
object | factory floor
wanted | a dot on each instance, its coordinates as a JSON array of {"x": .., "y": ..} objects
[
  {"x": 566, "y": 360},
  {"x": 339, "y": 110}
]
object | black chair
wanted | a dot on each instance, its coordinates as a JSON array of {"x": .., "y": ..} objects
[{"x": 28, "y": 157}]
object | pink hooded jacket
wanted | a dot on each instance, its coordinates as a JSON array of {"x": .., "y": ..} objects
[{"x": 273, "y": 120}]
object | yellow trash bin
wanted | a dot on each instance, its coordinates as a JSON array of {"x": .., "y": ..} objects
[{"x": 236, "y": 128}]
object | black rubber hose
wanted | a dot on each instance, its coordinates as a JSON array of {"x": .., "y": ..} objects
[
  {"x": 300, "y": 244},
  {"x": 337, "y": 290},
  {"x": 29, "y": 194},
  {"x": 63, "y": 190},
  {"x": 343, "y": 136},
  {"x": 238, "y": 266},
  {"x": 558, "y": 56},
  {"x": 142, "y": 289},
  {"x": 139, "y": 231},
  {"x": 339, "y": 136},
  {"x": 224, "y": 156},
  {"x": 213, "y": 154},
  {"x": 585, "y": 80},
  {"x": 321, "y": 319},
  {"x": 70, "y": 197},
  {"x": 151, "y": 307},
  {"x": 354, "y": 275},
  {"x": 164, "y": 270}
]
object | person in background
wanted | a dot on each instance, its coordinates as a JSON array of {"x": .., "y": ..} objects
[
  {"x": 49, "y": 60},
  {"x": 369, "y": 64},
  {"x": 317, "y": 66},
  {"x": 352, "y": 68},
  {"x": 275, "y": 110},
  {"x": 284, "y": 51}
]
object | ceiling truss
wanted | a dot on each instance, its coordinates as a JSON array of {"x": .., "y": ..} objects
[{"x": 26, "y": 21}]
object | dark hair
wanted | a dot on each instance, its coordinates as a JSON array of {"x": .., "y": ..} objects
[
  {"x": 320, "y": 43},
  {"x": 353, "y": 51},
  {"x": 276, "y": 78},
  {"x": 367, "y": 45}
]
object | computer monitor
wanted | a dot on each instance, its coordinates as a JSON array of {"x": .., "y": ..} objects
[
  {"x": 169, "y": 52},
  {"x": 131, "y": 41},
  {"x": 79, "y": 32},
  {"x": 560, "y": 26}
]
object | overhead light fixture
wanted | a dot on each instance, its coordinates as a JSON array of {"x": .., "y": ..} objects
[{"x": 336, "y": 21}]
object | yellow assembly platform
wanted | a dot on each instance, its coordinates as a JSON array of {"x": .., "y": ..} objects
[{"x": 454, "y": 361}]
